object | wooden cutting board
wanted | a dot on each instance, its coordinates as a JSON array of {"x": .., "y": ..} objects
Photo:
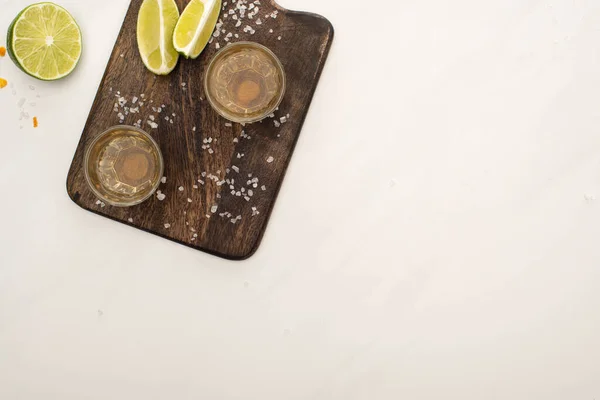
[{"x": 218, "y": 196}]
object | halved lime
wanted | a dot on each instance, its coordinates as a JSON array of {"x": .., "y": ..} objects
[
  {"x": 45, "y": 41},
  {"x": 156, "y": 23},
  {"x": 196, "y": 26}
]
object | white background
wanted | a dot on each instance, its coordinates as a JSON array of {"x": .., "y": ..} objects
[{"x": 436, "y": 236}]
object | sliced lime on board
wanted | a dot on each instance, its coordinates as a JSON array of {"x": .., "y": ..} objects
[
  {"x": 155, "y": 26},
  {"x": 196, "y": 26},
  {"x": 45, "y": 41}
]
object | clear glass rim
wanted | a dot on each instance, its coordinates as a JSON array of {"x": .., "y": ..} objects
[
  {"x": 94, "y": 142},
  {"x": 279, "y": 66}
]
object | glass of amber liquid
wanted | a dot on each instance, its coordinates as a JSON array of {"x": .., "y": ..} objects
[
  {"x": 245, "y": 82},
  {"x": 123, "y": 166}
]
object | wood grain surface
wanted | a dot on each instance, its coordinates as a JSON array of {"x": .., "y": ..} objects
[{"x": 207, "y": 201}]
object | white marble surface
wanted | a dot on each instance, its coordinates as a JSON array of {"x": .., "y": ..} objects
[{"x": 436, "y": 236}]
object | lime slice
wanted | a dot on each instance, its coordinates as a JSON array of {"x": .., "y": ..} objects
[
  {"x": 156, "y": 23},
  {"x": 45, "y": 41},
  {"x": 196, "y": 26}
]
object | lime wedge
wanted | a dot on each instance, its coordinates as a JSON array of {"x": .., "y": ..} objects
[
  {"x": 45, "y": 41},
  {"x": 156, "y": 23},
  {"x": 196, "y": 26}
]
